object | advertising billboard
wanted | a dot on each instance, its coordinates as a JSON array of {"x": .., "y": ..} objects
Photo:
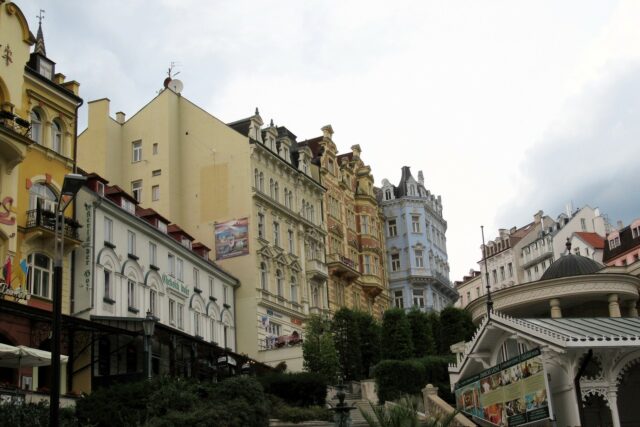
[
  {"x": 232, "y": 238},
  {"x": 512, "y": 393}
]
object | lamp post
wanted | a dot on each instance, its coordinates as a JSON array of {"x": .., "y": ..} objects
[
  {"x": 70, "y": 187},
  {"x": 149, "y": 325}
]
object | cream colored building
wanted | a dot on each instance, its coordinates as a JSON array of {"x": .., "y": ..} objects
[{"x": 203, "y": 174}]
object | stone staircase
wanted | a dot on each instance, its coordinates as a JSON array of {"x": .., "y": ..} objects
[{"x": 355, "y": 399}]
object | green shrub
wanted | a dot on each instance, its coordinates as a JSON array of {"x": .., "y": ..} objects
[
  {"x": 396, "y": 336},
  {"x": 33, "y": 415},
  {"x": 395, "y": 378},
  {"x": 283, "y": 412},
  {"x": 436, "y": 370},
  {"x": 298, "y": 389}
]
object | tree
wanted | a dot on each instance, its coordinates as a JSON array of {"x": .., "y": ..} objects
[
  {"x": 455, "y": 326},
  {"x": 421, "y": 334},
  {"x": 396, "y": 336},
  {"x": 369, "y": 330},
  {"x": 319, "y": 351},
  {"x": 436, "y": 331},
  {"x": 346, "y": 337}
]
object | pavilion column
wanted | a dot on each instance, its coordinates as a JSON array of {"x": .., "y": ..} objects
[
  {"x": 633, "y": 308},
  {"x": 612, "y": 398},
  {"x": 556, "y": 311},
  {"x": 614, "y": 306}
]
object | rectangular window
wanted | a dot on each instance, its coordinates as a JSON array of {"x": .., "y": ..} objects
[
  {"x": 156, "y": 172},
  {"x": 276, "y": 234},
  {"x": 274, "y": 329},
  {"x": 153, "y": 297},
  {"x": 136, "y": 155},
  {"x": 261, "y": 225},
  {"x": 294, "y": 293},
  {"x": 415, "y": 223},
  {"x": 418, "y": 298},
  {"x": 495, "y": 276},
  {"x": 510, "y": 266},
  {"x": 155, "y": 193},
  {"x": 153, "y": 254},
  {"x": 364, "y": 224},
  {"x": 502, "y": 273},
  {"x": 419, "y": 258},
  {"x": 131, "y": 242},
  {"x": 366, "y": 264},
  {"x": 291, "y": 242},
  {"x": 107, "y": 284},
  {"x": 225, "y": 294},
  {"x": 196, "y": 324},
  {"x": 395, "y": 262},
  {"x": 211, "y": 286},
  {"x": 179, "y": 315},
  {"x": 392, "y": 228},
  {"x": 179, "y": 269},
  {"x": 171, "y": 261},
  {"x": 155, "y": 148},
  {"x": 136, "y": 190},
  {"x": 196, "y": 278},
  {"x": 583, "y": 224},
  {"x": 172, "y": 312},
  {"x": 108, "y": 230},
  {"x": 131, "y": 293},
  {"x": 398, "y": 299}
]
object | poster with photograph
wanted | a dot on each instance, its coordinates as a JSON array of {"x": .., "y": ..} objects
[
  {"x": 509, "y": 394},
  {"x": 232, "y": 238}
]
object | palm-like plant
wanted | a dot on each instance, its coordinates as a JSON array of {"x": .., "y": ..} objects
[{"x": 404, "y": 414}]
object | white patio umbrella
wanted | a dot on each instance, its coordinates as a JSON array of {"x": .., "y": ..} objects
[{"x": 17, "y": 357}]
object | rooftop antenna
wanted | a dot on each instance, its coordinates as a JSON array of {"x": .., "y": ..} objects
[
  {"x": 171, "y": 83},
  {"x": 486, "y": 274}
]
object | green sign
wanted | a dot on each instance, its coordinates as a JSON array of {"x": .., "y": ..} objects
[{"x": 175, "y": 284}]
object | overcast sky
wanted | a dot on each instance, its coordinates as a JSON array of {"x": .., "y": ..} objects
[{"x": 508, "y": 107}]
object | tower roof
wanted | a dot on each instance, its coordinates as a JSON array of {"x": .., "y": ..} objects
[{"x": 40, "y": 48}]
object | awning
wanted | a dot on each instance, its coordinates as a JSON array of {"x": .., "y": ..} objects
[{"x": 22, "y": 356}]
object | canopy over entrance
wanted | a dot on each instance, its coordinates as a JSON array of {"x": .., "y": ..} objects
[{"x": 22, "y": 356}]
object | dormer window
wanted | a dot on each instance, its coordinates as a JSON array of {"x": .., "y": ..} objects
[
  {"x": 100, "y": 188},
  {"x": 186, "y": 243},
  {"x": 387, "y": 194},
  {"x": 614, "y": 243},
  {"x": 128, "y": 205},
  {"x": 45, "y": 68},
  {"x": 162, "y": 226},
  {"x": 305, "y": 166},
  {"x": 412, "y": 190}
]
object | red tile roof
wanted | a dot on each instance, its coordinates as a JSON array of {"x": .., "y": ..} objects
[{"x": 594, "y": 239}]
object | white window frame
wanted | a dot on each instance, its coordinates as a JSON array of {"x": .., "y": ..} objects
[
  {"x": 131, "y": 242},
  {"x": 40, "y": 278},
  {"x": 419, "y": 257},
  {"x": 155, "y": 193},
  {"x": 153, "y": 254},
  {"x": 136, "y": 190},
  {"x": 108, "y": 230},
  {"x": 415, "y": 223},
  {"x": 136, "y": 151},
  {"x": 131, "y": 293}
]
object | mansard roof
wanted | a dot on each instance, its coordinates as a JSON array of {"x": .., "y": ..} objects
[
  {"x": 241, "y": 126},
  {"x": 571, "y": 265}
]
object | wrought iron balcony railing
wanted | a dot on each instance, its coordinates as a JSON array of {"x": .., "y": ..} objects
[{"x": 42, "y": 218}]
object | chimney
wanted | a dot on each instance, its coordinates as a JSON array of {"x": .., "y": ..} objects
[
  {"x": 420, "y": 178},
  {"x": 620, "y": 225},
  {"x": 356, "y": 150},
  {"x": 120, "y": 117},
  {"x": 537, "y": 217},
  {"x": 59, "y": 78}
]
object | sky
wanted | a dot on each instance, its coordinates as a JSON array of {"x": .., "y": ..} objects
[{"x": 507, "y": 107}]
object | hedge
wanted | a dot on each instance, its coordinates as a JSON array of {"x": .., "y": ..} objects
[
  {"x": 395, "y": 378},
  {"x": 297, "y": 389}
]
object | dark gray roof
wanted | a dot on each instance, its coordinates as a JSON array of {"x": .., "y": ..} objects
[{"x": 571, "y": 265}]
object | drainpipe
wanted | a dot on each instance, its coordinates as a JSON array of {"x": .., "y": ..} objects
[{"x": 576, "y": 383}]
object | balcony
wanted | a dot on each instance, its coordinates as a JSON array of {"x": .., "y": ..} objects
[
  {"x": 372, "y": 285},
  {"x": 44, "y": 220},
  {"x": 341, "y": 266},
  {"x": 15, "y": 124},
  {"x": 317, "y": 269},
  {"x": 279, "y": 303},
  {"x": 281, "y": 341}
]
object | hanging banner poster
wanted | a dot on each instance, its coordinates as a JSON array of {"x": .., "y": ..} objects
[
  {"x": 232, "y": 238},
  {"x": 512, "y": 393}
]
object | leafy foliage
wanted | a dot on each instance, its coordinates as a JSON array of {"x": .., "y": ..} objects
[
  {"x": 396, "y": 338},
  {"x": 421, "y": 333},
  {"x": 283, "y": 412},
  {"x": 319, "y": 351},
  {"x": 346, "y": 336},
  {"x": 33, "y": 415},
  {"x": 298, "y": 389},
  {"x": 455, "y": 326},
  {"x": 370, "y": 333}
]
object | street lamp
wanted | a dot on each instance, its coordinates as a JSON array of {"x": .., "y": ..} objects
[
  {"x": 70, "y": 187},
  {"x": 149, "y": 325}
]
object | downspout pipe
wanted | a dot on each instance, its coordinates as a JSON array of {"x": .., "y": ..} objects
[{"x": 576, "y": 384}]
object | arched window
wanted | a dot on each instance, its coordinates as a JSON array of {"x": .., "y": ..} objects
[
  {"x": 294, "y": 289},
  {"x": 256, "y": 178},
  {"x": 279, "y": 281},
  {"x": 290, "y": 199},
  {"x": 36, "y": 126},
  {"x": 197, "y": 326},
  {"x": 276, "y": 192},
  {"x": 56, "y": 137},
  {"x": 264, "y": 284},
  {"x": 387, "y": 194},
  {"x": 311, "y": 214},
  {"x": 315, "y": 296},
  {"x": 271, "y": 187},
  {"x": 304, "y": 209},
  {"x": 42, "y": 196},
  {"x": 40, "y": 274},
  {"x": 261, "y": 186}
]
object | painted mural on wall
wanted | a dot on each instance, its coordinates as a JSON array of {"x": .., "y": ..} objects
[
  {"x": 232, "y": 238},
  {"x": 513, "y": 393}
]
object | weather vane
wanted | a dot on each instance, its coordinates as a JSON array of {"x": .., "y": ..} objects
[{"x": 40, "y": 16}]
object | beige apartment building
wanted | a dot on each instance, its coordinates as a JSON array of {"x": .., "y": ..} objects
[
  {"x": 355, "y": 238},
  {"x": 244, "y": 189}
]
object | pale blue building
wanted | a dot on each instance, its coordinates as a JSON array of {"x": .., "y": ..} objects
[{"x": 417, "y": 262}]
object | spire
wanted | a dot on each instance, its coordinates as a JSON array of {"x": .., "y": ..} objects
[{"x": 40, "y": 37}]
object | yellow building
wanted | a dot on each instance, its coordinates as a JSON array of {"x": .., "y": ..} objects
[
  {"x": 355, "y": 241},
  {"x": 244, "y": 189},
  {"x": 37, "y": 129}
]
